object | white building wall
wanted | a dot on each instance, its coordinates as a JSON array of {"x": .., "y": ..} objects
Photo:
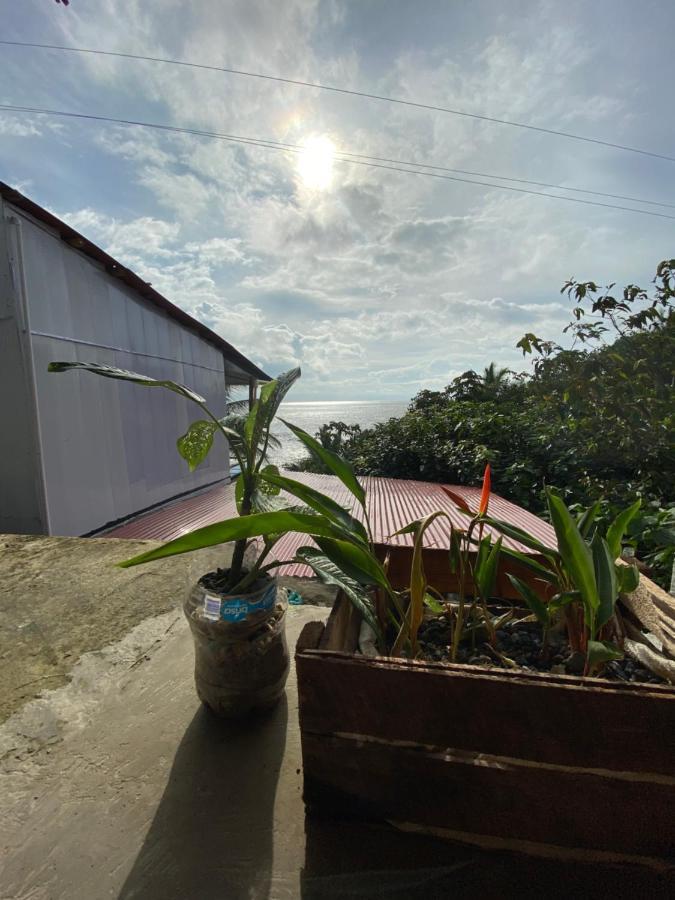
[
  {"x": 21, "y": 495},
  {"x": 108, "y": 448}
]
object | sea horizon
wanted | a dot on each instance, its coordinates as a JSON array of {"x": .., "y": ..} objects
[{"x": 310, "y": 415}]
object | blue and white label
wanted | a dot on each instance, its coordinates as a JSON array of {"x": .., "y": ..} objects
[
  {"x": 236, "y": 609},
  {"x": 212, "y": 607}
]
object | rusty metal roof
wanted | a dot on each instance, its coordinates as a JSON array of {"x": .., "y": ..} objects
[
  {"x": 116, "y": 269},
  {"x": 392, "y": 503}
]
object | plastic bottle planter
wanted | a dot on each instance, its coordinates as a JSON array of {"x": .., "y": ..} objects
[{"x": 241, "y": 656}]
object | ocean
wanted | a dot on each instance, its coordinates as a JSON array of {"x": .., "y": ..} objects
[{"x": 310, "y": 416}]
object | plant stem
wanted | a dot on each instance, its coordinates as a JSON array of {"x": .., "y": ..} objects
[{"x": 240, "y": 546}]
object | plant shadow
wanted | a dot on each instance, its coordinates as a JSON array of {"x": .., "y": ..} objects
[{"x": 212, "y": 834}]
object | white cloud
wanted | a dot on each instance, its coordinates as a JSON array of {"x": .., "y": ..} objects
[{"x": 386, "y": 282}]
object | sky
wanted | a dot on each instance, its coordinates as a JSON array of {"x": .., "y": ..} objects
[{"x": 377, "y": 283}]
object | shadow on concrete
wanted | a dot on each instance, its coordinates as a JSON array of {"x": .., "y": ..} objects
[
  {"x": 212, "y": 835},
  {"x": 348, "y": 860}
]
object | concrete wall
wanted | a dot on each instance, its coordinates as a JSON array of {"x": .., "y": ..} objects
[{"x": 108, "y": 448}]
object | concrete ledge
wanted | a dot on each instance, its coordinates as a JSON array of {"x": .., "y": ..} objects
[{"x": 62, "y": 597}]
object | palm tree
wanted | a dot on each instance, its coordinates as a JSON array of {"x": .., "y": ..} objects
[{"x": 494, "y": 379}]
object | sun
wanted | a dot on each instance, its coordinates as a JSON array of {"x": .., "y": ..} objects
[{"x": 315, "y": 163}]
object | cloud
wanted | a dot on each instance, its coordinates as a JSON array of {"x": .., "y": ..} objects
[{"x": 387, "y": 282}]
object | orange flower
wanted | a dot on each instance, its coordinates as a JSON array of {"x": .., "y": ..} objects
[{"x": 485, "y": 493}]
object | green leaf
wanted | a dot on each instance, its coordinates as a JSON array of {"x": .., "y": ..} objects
[
  {"x": 538, "y": 607},
  {"x": 195, "y": 444},
  {"x": 606, "y": 580},
  {"x": 628, "y": 578},
  {"x": 355, "y": 560},
  {"x": 617, "y": 529},
  {"x": 561, "y": 600},
  {"x": 418, "y": 585},
  {"x": 433, "y": 604},
  {"x": 455, "y": 549},
  {"x": 576, "y": 555},
  {"x": 486, "y": 570},
  {"x": 330, "y": 573},
  {"x": 586, "y": 519},
  {"x": 324, "y": 505},
  {"x": 528, "y": 562},
  {"x": 601, "y": 652},
  {"x": 238, "y": 528},
  {"x": 265, "y": 408},
  {"x": 332, "y": 461},
  {"x": 125, "y": 375},
  {"x": 483, "y": 552},
  {"x": 518, "y": 534}
]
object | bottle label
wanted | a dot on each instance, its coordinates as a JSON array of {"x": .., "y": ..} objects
[
  {"x": 236, "y": 609},
  {"x": 212, "y": 607}
]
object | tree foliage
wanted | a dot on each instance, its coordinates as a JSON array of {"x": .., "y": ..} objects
[{"x": 595, "y": 419}]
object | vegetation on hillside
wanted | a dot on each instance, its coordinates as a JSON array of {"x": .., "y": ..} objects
[{"x": 595, "y": 420}]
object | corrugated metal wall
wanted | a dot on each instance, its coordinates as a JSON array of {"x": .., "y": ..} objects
[
  {"x": 108, "y": 448},
  {"x": 21, "y": 495}
]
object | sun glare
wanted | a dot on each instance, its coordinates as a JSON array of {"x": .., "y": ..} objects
[{"x": 315, "y": 163}]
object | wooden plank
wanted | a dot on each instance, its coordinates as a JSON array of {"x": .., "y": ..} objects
[
  {"x": 519, "y": 675},
  {"x": 479, "y": 794},
  {"x": 357, "y": 859},
  {"x": 342, "y": 627},
  {"x": 474, "y": 709},
  {"x": 310, "y": 636}
]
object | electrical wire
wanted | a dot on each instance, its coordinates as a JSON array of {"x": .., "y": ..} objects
[
  {"x": 340, "y": 157},
  {"x": 340, "y": 90}
]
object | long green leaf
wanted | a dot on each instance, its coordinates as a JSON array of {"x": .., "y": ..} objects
[
  {"x": 455, "y": 549},
  {"x": 605, "y": 577},
  {"x": 586, "y": 519},
  {"x": 320, "y": 502},
  {"x": 332, "y": 461},
  {"x": 125, "y": 375},
  {"x": 418, "y": 585},
  {"x": 576, "y": 555},
  {"x": 239, "y": 528},
  {"x": 528, "y": 562},
  {"x": 483, "y": 552},
  {"x": 522, "y": 536},
  {"x": 486, "y": 571},
  {"x": 195, "y": 444},
  {"x": 265, "y": 408},
  {"x": 535, "y": 603},
  {"x": 330, "y": 573},
  {"x": 617, "y": 529},
  {"x": 355, "y": 559}
]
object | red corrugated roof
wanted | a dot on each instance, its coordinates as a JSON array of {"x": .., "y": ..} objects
[{"x": 392, "y": 504}]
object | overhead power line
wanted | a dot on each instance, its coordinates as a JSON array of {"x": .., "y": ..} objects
[
  {"x": 340, "y": 156},
  {"x": 547, "y": 184},
  {"x": 341, "y": 90}
]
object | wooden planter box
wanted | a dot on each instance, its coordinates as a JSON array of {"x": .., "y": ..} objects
[{"x": 546, "y": 764}]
